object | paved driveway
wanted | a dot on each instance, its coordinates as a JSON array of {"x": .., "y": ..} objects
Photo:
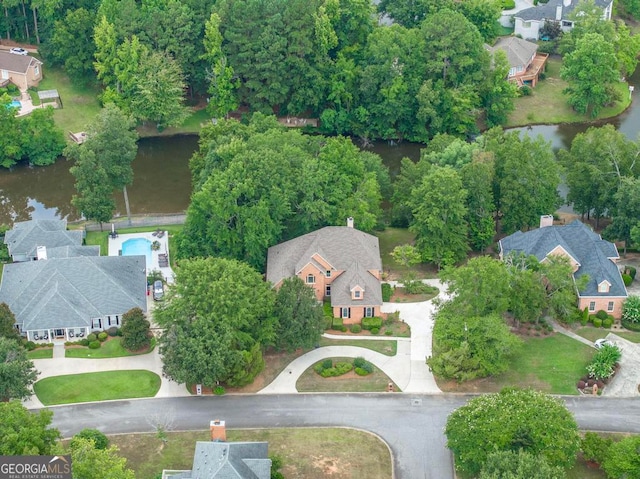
[{"x": 627, "y": 380}]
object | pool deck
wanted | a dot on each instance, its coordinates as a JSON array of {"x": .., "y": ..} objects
[{"x": 115, "y": 247}]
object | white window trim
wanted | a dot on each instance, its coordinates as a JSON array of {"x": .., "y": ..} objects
[
  {"x": 592, "y": 305},
  {"x": 368, "y": 312},
  {"x": 327, "y": 290},
  {"x": 343, "y": 311},
  {"x": 311, "y": 279},
  {"x": 611, "y": 306}
]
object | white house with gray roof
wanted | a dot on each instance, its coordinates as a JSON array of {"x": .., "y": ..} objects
[
  {"x": 24, "y": 238},
  {"x": 340, "y": 263},
  {"x": 589, "y": 255},
  {"x": 529, "y": 22}
]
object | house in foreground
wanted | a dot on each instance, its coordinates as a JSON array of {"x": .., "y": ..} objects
[
  {"x": 589, "y": 255},
  {"x": 340, "y": 263},
  {"x": 219, "y": 459},
  {"x": 529, "y": 22},
  {"x": 23, "y": 71},
  {"x": 524, "y": 60},
  {"x": 62, "y": 290}
]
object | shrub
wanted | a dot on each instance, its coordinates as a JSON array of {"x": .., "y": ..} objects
[
  {"x": 30, "y": 345},
  {"x": 631, "y": 271},
  {"x": 631, "y": 326},
  {"x": 94, "y": 344},
  {"x": 328, "y": 321},
  {"x": 387, "y": 292},
  {"x": 84, "y": 342},
  {"x": 362, "y": 363},
  {"x": 356, "y": 328},
  {"x": 92, "y": 337},
  {"x": 602, "y": 365},
  {"x": 339, "y": 369},
  {"x": 336, "y": 324},
  {"x": 627, "y": 279},
  {"x": 546, "y": 47},
  {"x": 592, "y": 317},
  {"x": 375, "y": 330},
  {"x": 525, "y": 90},
  {"x": 631, "y": 310},
  {"x": 508, "y": 4},
  {"x": 218, "y": 391},
  {"x": 136, "y": 334},
  {"x": 607, "y": 323},
  {"x": 102, "y": 337},
  {"x": 344, "y": 329},
  {"x": 581, "y": 384},
  {"x": 370, "y": 323},
  {"x": 594, "y": 447},
  {"x": 388, "y": 333},
  {"x": 112, "y": 331},
  {"x": 327, "y": 363},
  {"x": 601, "y": 315},
  {"x": 100, "y": 441},
  {"x": 597, "y": 322},
  {"x": 361, "y": 372}
]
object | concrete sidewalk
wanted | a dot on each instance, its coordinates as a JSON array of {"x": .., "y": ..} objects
[{"x": 569, "y": 333}]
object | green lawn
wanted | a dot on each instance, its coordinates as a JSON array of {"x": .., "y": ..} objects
[
  {"x": 100, "y": 386},
  {"x": 387, "y": 347},
  {"x": 80, "y": 102},
  {"x": 592, "y": 334},
  {"x": 389, "y": 239},
  {"x": 548, "y": 105},
  {"x": 101, "y": 238},
  {"x": 377, "y": 381},
  {"x": 109, "y": 349},
  {"x": 553, "y": 364},
  {"x": 40, "y": 353},
  {"x": 192, "y": 125}
]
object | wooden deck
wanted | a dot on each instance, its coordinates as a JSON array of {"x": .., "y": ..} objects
[{"x": 533, "y": 71}]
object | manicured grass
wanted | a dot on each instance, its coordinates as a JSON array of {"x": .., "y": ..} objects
[
  {"x": 80, "y": 102},
  {"x": 311, "y": 382},
  {"x": 591, "y": 333},
  {"x": 109, "y": 349},
  {"x": 101, "y": 238},
  {"x": 548, "y": 105},
  {"x": 192, "y": 125},
  {"x": 311, "y": 453},
  {"x": 40, "y": 353},
  {"x": 553, "y": 364},
  {"x": 389, "y": 239},
  {"x": 101, "y": 386},
  {"x": 386, "y": 347}
]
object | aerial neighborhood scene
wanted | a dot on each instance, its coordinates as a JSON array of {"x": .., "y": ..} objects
[{"x": 346, "y": 239}]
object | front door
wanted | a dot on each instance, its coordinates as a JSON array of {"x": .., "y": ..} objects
[{"x": 59, "y": 333}]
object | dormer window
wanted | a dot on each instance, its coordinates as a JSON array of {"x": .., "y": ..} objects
[
  {"x": 356, "y": 294},
  {"x": 311, "y": 279},
  {"x": 603, "y": 287},
  {"x": 328, "y": 273}
]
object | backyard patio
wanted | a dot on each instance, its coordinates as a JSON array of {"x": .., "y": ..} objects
[{"x": 153, "y": 245}]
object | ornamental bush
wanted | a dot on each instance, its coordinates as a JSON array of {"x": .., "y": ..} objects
[
  {"x": 102, "y": 337},
  {"x": 597, "y": 322},
  {"x": 112, "y": 331},
  {"x": 387, "y": 292},
  {"x": 361, "y": 363},
  {"x": 336, "y": 324},
  {"x": 627, "y": 279},
  {"x": 361, "y": 372},
  {"x": 94, "y": 344},
  {"x": 375, "y": 330},
  {"x": 100, "y": 441},
  {"x": 136, "y": 334},
  {"x": 356, "y": 328},
  {"x": 601, "y": 315},
  {"x": 338, "y": 370},
  {"x": 92, "y": 337},
  {"x": 370, "y": 323},
  {"x": 631, "y": 310},
  {"x": 607, "y": 323},
  {"x": 84, "y": 342},
  {"x": 603, "y": 364}
]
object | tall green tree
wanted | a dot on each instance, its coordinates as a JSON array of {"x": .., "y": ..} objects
[
  {"x": 90, "y": 462},
  {"x": 560, "y": 286},
  {"x": 477, "y": 179},
  {"x": 44, "y": 141},
  {"x": 439, "y": 217},
  {"x": 17, "y": 372},
  {"x": 135, "y": 330},
  {"x": 217, "y": 317},
  {"x": 10, "y": 142},
  {"x": 72, "y": 43},
  {"x": 498, "y": 94},
  {"x": 8, "y": 323},
  {"x": 626, "y": 212},
  {"x": 623, "y": 460},
  {"x": 300, "y": 320},
  {"x": 527, "y": 420},
  {"x": 24, "y": 432}
]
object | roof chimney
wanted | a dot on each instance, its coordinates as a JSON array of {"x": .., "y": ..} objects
[
  {"x": 567, "y": 2},
  {"x": 559, "y": 12},
  {"x": 350, "y": 222},
  {"x": 41, "y": 252},
  {"x": 218, "y": 431},
  {"x": 546, "y": 220}
]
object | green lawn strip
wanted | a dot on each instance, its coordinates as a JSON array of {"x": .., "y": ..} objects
[
  {"x": 40, "y": 353},
  {"x": 389, "y": 239},
  {"x": 109, "y": 349},
  {"x": 100, "y": 386},
  {"x": 305, "y": 452},
  {"x": 101, "y": 238},
  {"x": 592, "y": 334},
  {"x": 547, "y": 103},
  {"x": 376, "y": 382},
  {"x": 192, "y": 125},
  {"x": 80, "y": 102},
  {"x": 388, "y": 347}
]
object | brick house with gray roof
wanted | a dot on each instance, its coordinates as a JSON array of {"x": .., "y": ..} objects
[
  {"x": 529, "y": 22},
  {"x": 340, "y": 263},
  {"x": 589, "y": 255}
]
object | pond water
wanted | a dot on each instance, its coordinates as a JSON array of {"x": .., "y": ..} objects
[{"x": 162, "y": 183}]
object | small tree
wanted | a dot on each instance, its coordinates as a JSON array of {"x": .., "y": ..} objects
[
  {"x": 407, "y": 256},
  {"x": 90, "y": 462},
  {"x": 299, "y": 315},
  {"x": 24, "y": 432},
  {"x": 135, "y": 330},
  {"x": 17, "y": 373},
  {"x": 100, "y": 441}
]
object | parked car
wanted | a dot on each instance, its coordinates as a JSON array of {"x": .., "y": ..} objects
[
  {"x": 18, "y": 51},
  {"x": 599, "y": 343},
  {"x": 158, "y": 290}
]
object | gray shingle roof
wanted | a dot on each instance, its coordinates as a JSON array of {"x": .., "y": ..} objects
[
  {"x": 26, "y": 236},
  {"x": 341, "y": 288},
  {"x": 69, "y": 292},
  {"x": 519, "y": 51},
  {"x": 229, "y": 460},
  {"x": 548, "y": 11},
  {"x": 590, "y": 251},
  {"x": 17, "y": 63},
  {"x": 72, "y": 251}
]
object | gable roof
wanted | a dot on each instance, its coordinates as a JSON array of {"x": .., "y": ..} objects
[
  {"x": 519, "y": 52},
  {"x": 73, "y": 251},
  {"x": 17, "y": 63},
  {"x": 26, "y": 236},
  {"x": 593, "y": 254},
  {"x": 356, "y": 276},
  {"x": 548, "y": 11},
  {"x": 228, "y": 460},
  {"x": 69, "y": 292}
]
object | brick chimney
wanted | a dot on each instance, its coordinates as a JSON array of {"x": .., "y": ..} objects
[
  {"x": 218, "y": 431},
  {"x": 546, "y": 220},
  {"x": 350, "y": 222}
]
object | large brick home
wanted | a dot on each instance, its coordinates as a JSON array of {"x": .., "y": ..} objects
[
  {"x": 23, "y": 71},
  {"x": 589, "y": 254},
  {"x": 341, "y": 264}
]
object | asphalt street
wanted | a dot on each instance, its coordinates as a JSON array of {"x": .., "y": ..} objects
[{"x": 412, "y": 425}]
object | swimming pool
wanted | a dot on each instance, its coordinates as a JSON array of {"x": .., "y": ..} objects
[
  {"x": 15, "y": 104},
  {"x": 138, "y": 246}
]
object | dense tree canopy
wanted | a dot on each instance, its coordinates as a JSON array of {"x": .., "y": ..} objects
[
  {"x": 91, "y": 462},
  {"x": 512, "y": 420},
  {"x": 24, "y": 432},
  {"x": 217, "y": 317},
  {"x": 8, "y": 323},
  {"x": 17, "y": 372}
]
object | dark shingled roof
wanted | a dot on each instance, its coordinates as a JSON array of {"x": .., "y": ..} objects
[
  {"x": 588, "y": 249},
  {"x": 17, "y": 63},
  {"x": 548, "y": 11},
  {"x": 69, "y": 292},
  {"x": 519, "y": 51},
  {"x": 26, "y": 236}
]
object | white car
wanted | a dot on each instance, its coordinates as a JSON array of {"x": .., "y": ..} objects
[
  {"x": 599, "y": 343},
  {"x": 18, "y": 51}
]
